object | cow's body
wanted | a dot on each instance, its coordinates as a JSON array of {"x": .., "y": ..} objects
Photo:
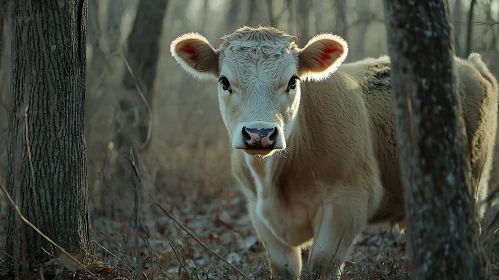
[{"x": 339, "y": 168}]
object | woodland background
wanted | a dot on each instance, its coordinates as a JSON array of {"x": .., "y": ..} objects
[{"x": 186, "y": 163}]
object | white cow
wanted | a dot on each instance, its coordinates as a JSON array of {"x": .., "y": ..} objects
[{"x": 318, "y": 161}]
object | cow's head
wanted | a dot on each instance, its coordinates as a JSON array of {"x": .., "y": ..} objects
[{"x": 259, "y": 71}]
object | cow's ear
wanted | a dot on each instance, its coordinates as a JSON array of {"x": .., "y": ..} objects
[
  {"x": 322, "y": 55},
  {"x": 195, "y": 54}
]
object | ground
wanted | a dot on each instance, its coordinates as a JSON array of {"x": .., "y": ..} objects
[
  {"x": 217, "y": 217},
  {"x": 213, "y": 210}
]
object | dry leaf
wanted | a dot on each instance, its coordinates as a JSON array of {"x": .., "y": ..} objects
[{"x": 64, "y": 261}]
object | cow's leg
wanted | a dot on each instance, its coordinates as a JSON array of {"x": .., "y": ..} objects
[
  {"x": 336, "y": 225},
  {"x": 285, "y": 261}
]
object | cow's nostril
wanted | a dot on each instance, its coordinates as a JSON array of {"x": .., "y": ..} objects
[
  {"x": 246, "y": 136},
  {"x": 273, "y": 136}
]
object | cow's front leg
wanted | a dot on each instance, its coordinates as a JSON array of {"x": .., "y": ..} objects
[
  {"x": 336, "y": 226},
  {"x": 285, "y": 261}
]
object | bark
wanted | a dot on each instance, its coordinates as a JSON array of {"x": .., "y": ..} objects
[
  {"x": 441, "y": 219},
  {"x": 46, "y": 166},
  {"x": 143, "y": 55}
]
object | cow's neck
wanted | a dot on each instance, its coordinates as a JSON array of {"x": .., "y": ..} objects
[{"x": 268, "y": 172}]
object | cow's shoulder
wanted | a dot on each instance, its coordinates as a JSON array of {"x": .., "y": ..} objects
[{"x": 372, "y": 74}]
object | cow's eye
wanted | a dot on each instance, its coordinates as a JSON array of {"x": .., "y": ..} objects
[
  {"x": 292, "y": 83},
  {"x": 225, "y": 83}
]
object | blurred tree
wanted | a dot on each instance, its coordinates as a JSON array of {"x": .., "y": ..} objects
[
  {"x": 4, "y": 14},
  {"x": 442, "y": 232},
  {"x": 47, "y": 172},
  {"x": 341, "y": 18},
  {"x": 206, "y": 10},
  {"x": 233, "y": 13},
  {"x": 143, "y": 55},
  {"x": 270, "y": 10},
  {"x": 469, "y": 30},
  {"x": 253, "y": 14},
  {"x": 291, "y": 4},
  {"x": 456, "y": 17},
  {"x": 317, "y": 16},
  {"x": 303, "y": 12}
]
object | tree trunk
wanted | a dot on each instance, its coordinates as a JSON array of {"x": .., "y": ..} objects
[
  {"x": 270, "y": 10},
  {"x": 303, "y": 20},
  {"x": 341, "y": 19},
  {"x": 233, "y": 13},
  {"x": 469, "y": 28},
  {"x": 456, "y": 17},
  {"x": 4, "y": 7},
  {"x": 441, "y": 222},
  {"x": 143, "y": 55},
  {"x": 206, "y": 10},
  {"x": 291, "y": 4},
  {"x": 253, "y": 18},
  {"x": 47, "y": 173}
]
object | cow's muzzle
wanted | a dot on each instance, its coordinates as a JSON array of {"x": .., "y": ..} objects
[
  {"x": 263, "y": 138},
  {"x": 258, "y": 137}
]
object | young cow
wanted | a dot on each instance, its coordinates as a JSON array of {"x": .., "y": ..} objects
[{"x": 318, "y": 161}]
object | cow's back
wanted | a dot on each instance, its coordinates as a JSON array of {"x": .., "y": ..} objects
[{"x": 478, "y": 93}]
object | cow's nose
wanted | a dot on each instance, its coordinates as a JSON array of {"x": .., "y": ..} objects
[{"x": 263, "y": 138}]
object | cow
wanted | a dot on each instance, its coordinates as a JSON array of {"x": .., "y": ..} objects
[{"x": 313, "y": 140}]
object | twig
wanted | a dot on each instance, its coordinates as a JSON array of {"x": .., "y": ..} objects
[
  {"x": 3, "y": 253},
  {"x": 112, "y": 254},
  {"x": 135, "y": 207},
  {"x": 149, "y": 250},
  {"x": 144, "y": 145},
  {"x": 179, "y": 260},
  {"x": 196, "y": 271},
  {"x": 195, "y": 238},
  {"x": 42, "y": 234}
]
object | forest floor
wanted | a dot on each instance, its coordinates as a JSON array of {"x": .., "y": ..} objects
[
  {"x": 217, "y": 217},
  {"x": 223, "y": 225}
]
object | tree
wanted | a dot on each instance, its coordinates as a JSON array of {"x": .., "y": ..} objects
[
  {"x": 341, "y": 18},
  {"x": 469, "y": 28},
  {"x": 4, "y": 5},
  {"x": 441, "y": 225},
  {"x": 302, "y": 20},
  {"x": 143, "y": 55},
  {"x": 46, "y": 166}
]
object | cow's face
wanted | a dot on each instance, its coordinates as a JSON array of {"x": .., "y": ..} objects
[{"x": 258, "y": 74}]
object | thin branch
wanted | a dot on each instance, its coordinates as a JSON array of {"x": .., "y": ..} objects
[
  {"x": 195, "y": 238},
  {"x": 135, "y": 206},
  {"x": 112, "y": 254},
  {"x": 3, "y": 253},
  {"x": 180, "y": 260}
]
